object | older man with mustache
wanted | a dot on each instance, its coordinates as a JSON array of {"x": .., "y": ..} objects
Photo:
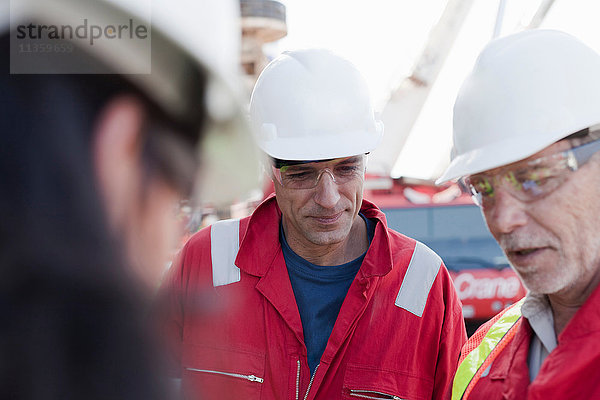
[{"x": 526, "y": 135}]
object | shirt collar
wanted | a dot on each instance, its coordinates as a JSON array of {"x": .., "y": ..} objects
[{"x": 538, "y": 312}]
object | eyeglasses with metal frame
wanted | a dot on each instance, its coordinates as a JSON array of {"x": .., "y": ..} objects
[{"x": 306, "y": 175}]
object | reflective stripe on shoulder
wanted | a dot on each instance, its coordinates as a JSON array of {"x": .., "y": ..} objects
[
  {"x": 224, "y": 246},
  {"x": 422, "y": 270},
  {"x": 481, "y": 357}
]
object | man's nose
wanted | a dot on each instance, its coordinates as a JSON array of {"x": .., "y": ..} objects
[
  {"x": 327, "y": 194},
  {"x": 505, "y": 213}
]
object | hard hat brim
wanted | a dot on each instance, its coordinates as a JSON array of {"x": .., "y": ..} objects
[
  {"x": 501, "y": 153},
  {"x": 325, "y": 146}
]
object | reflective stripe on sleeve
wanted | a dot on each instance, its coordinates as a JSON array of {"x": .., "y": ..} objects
[
  {"x": 422, "y": 270},
  {"x": 478, "y": 358},
  {"x": 224, "y": 246}
]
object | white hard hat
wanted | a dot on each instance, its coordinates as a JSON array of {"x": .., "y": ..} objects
[
  {"x": 185, "y": 36},
  {"x": 526, "y": 91},
  {"x": 313, "y": 105}
]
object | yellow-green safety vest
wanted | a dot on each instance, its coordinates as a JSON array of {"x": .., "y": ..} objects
[{"x": 467, "y": 372}]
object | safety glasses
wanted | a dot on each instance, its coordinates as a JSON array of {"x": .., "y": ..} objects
[
  {"x": 533, "y": 179},
  {"x": 308, "y": 175}
]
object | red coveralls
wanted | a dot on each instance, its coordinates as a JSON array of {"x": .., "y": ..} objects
[
  {"x": 244, "y": 340},
  {"x": 571, "y": 370}
]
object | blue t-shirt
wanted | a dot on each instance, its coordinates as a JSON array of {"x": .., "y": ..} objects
[{"x": 320, "y": 292}]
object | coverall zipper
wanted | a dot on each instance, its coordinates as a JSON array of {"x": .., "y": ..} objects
[
  {"x": 370, "y": 394},
  {"x": 251, "y": 378},
  {"x": 311, "y": 381},
  {"x": 298, "y": 381}
]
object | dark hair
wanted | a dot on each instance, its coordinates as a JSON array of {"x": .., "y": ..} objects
[{"x": 74, "y": 324}]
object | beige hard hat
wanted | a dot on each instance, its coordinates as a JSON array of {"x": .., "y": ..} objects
[
  {"x": 186, "y": 36},
  {"x": 526, "y": 91}
]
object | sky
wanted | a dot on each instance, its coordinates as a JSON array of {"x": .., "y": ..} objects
[{"x": 384, "y": 38}]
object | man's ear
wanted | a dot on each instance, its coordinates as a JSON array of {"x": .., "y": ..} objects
[{"x": 117, "y": 156}]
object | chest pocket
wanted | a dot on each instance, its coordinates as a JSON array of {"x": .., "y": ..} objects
[
  {"x": 221, "y": 374},
  {"x": 363, "y": 382}
]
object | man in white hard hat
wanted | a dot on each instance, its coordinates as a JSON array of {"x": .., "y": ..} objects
[
  {"x": 526, "y": 135},
  {"x": 315, "y": 298},
  {"x": 102, "y": 117}
]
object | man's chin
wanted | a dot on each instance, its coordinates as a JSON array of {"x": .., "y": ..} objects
[
  {"x": 542, "y": 285},
  {"x": 326, "y": 237}
]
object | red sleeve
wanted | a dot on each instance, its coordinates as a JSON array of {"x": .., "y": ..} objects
[
  {"x": 184, "y": 297},
  {"x": 454, "y": 335}
]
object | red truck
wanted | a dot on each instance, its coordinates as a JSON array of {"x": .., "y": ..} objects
[{"x": 447, "y": 220}]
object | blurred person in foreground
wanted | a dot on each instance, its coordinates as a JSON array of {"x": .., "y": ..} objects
[
  {"x": 314, "y": 296},
  {"x": 92, "y": 167},
  {"x": 526, "y": 142}
]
